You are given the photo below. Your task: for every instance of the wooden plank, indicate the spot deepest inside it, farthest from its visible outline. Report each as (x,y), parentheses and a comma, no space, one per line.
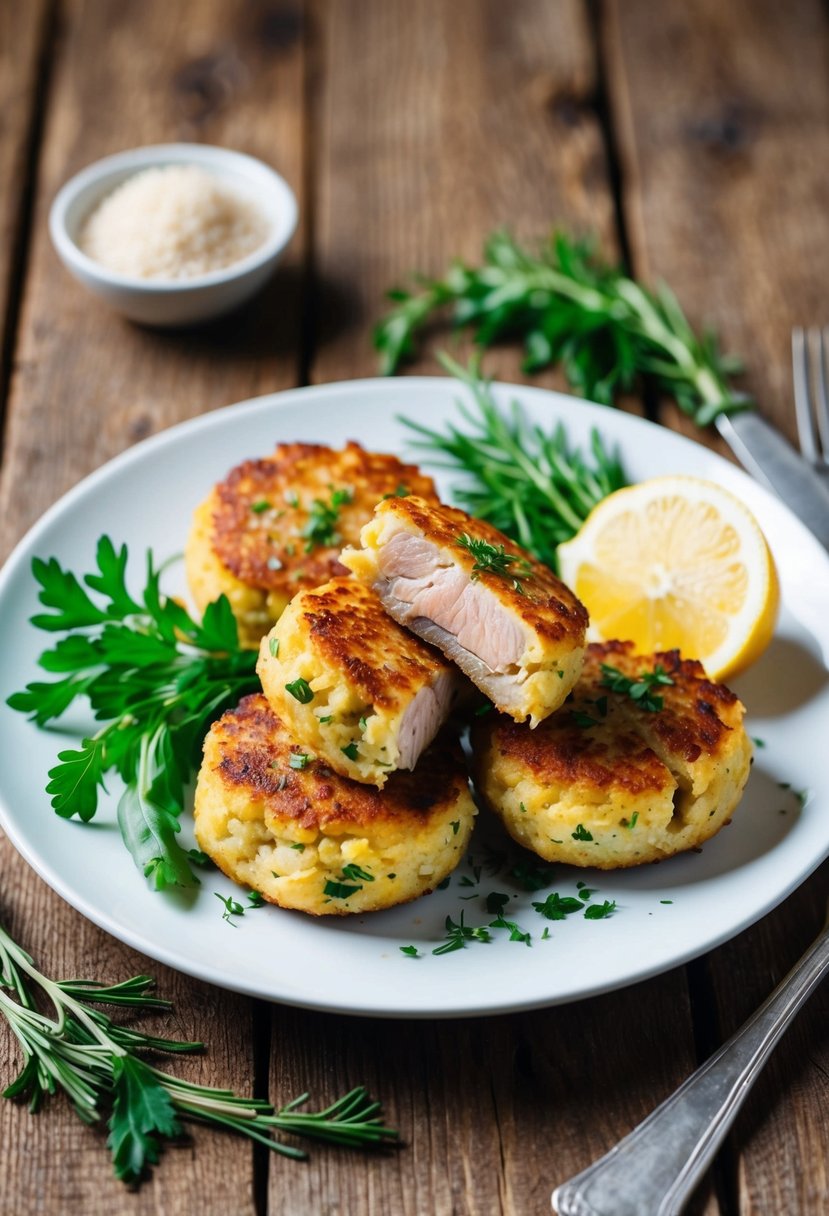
(723,130)
(726,198)
(215,73)
(782,1136)
(24,35)
(433,124)
(86,385)
(460,119)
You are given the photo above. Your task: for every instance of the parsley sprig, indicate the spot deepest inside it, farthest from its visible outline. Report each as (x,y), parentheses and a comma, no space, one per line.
(528,482)
(572,308)
(154,677)
(641,688)
(97,1063)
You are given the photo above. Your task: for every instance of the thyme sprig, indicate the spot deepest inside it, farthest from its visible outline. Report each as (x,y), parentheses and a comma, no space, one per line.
(79,1049)
(530,483)
(639,688)
(572,308)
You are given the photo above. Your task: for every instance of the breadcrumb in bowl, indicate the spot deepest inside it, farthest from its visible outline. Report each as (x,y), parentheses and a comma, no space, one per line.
(281,822)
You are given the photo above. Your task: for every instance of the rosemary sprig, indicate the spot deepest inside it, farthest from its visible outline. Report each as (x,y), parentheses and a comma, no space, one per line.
(572,308)
(531,484)
(80,1050)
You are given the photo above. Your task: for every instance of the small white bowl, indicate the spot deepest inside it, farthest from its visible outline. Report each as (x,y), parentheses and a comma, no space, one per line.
(170,302)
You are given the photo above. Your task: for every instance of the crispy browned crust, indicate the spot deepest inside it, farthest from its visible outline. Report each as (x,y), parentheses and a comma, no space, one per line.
(544,602)
(266,550)
(613,751)
(250,750)
(697,715)
(350,630)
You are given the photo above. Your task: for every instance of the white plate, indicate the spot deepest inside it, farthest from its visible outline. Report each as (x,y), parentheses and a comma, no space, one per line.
(665,914)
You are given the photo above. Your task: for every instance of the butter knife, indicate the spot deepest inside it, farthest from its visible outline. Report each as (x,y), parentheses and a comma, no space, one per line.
(772,460)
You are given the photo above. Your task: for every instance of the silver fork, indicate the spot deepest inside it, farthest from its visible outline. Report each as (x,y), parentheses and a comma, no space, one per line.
(811,395)
(654,1170)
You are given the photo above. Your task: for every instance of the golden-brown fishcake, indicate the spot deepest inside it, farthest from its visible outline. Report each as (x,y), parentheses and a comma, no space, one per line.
(608,782)
(281,822)
(514,628)
(352,685)
(276,525)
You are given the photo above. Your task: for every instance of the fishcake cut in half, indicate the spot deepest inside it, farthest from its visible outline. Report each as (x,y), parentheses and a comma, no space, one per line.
(276,525)
(352,685)
(514,628)
(282,823)
(629,770)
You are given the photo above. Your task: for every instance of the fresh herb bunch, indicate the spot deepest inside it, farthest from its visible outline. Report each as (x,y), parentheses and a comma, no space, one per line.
(527,482)
(95,1061)
(154,677)
(571,308)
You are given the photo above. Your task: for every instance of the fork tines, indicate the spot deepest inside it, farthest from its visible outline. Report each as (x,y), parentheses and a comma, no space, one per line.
(811,393)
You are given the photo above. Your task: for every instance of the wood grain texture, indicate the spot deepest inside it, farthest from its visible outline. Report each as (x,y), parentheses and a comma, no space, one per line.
(86,385)
(24,35)
(722,115)
(435,124)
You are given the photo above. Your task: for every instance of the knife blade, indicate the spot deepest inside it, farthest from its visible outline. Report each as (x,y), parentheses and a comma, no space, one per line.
(772,460)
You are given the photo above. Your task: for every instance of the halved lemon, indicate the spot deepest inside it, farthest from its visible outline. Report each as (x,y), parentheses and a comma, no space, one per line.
(676,562)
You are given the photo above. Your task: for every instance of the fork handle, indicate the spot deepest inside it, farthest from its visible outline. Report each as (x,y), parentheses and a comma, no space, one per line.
(655,1168)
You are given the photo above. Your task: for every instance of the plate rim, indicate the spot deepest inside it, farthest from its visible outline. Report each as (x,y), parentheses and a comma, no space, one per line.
(284,399)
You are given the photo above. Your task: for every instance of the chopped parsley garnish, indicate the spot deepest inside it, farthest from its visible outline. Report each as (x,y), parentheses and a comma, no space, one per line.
(584,892)
(255,899)
(301,690)
(545,936)
(581,833)
(326,719)
(232,908)
(531,875)
(583,720)
(600,911)
(458,934)
(410,951)
(456,824)
(199,858)
(321,528)
(354,872)
(300,848)
(516,933)
(401,492)
(493,559)
(350,750)
(640,689)
(363,723)
(556,907)
(758,742)
(630,824)
(486,708)
(260,506)
(666,901)
(496,901)
(273,647)
(441,885)
(339,890)
(299,760)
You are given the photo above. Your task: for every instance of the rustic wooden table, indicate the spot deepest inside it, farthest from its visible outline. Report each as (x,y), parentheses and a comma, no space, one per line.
(693,137)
